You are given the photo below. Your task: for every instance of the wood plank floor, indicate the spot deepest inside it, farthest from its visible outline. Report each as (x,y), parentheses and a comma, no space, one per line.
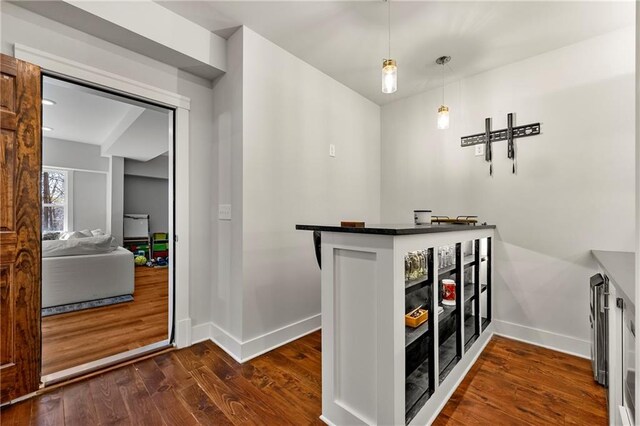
(514,383)
(511,384)
(75,338)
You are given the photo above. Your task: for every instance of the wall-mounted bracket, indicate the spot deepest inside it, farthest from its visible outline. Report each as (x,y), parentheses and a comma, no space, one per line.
(501,135)
(508,134)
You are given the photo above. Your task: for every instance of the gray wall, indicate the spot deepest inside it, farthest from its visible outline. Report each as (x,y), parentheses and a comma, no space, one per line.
(89,180)
(73,155)
(148,196)
(89,201)
(156,168)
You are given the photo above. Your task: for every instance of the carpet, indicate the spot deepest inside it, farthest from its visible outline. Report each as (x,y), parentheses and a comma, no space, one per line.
(72,307)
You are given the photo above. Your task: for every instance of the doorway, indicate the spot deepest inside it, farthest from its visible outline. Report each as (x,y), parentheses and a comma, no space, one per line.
(107,226)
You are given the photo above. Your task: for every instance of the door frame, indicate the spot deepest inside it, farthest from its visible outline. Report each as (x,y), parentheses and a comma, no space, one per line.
(56,66)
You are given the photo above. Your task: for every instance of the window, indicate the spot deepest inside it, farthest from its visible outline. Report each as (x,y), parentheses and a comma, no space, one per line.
(55,200)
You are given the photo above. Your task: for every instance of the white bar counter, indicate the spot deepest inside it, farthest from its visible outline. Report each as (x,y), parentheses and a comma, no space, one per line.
(375,370)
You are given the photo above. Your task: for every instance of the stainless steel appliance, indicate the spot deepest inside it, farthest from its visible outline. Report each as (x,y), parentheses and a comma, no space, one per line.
(598,318)
(629,360)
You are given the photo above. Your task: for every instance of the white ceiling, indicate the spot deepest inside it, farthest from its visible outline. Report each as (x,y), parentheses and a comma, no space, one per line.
(121,127)
(348,39)
(81,116)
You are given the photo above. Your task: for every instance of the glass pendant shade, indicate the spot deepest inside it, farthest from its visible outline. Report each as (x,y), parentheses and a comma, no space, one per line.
(389,76)
(443,117)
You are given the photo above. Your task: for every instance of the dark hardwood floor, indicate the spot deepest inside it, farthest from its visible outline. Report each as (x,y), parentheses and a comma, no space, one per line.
(79,337)
(514,383)
(511,384)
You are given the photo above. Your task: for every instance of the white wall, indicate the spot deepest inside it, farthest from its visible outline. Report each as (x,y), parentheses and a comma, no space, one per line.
(574,190)
(21,26)
(637,230)
(226,236)
(144,195)
(273,129)
(292,112)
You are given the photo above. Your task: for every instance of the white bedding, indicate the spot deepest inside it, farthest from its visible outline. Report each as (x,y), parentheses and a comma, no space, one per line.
(71,279)
(99,244)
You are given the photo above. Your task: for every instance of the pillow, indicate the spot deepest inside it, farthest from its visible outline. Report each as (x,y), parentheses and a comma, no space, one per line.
(72,235)
(51,235)
(97,232)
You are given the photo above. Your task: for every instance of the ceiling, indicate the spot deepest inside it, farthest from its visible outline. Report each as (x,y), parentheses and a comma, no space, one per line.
(121,127)
(348,39)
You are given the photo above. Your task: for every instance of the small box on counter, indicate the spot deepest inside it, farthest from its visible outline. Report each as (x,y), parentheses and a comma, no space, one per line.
(416,317)
(351,224)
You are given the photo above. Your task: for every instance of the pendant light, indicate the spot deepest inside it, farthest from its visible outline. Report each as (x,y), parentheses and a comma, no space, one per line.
(389,66)
(443,111)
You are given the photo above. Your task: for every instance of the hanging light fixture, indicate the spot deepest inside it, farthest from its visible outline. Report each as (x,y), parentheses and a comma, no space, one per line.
(443,111)
(389,66)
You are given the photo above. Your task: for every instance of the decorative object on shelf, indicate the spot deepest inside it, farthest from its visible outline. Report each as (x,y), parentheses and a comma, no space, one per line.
(443,111)
(460,220)
(352,224)
(422,217)
(448,292)
(389,66)
(415,265)
(416,317)
(509,134)
(446,256)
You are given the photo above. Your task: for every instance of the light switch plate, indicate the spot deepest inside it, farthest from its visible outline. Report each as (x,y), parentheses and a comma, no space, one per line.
(332,150)
(479,150)
(224,211)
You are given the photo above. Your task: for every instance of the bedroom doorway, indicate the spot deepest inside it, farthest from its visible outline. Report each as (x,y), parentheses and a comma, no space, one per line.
(107,227)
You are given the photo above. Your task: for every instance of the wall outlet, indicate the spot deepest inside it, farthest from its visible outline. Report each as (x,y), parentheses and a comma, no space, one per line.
(332,150)
(224,211)
(479,150)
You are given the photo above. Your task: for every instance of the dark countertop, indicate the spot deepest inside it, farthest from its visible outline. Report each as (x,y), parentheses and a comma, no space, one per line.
(394,229)
(620,267)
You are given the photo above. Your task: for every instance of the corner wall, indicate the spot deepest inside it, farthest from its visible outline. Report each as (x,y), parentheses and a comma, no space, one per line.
(275,117)
(574,189)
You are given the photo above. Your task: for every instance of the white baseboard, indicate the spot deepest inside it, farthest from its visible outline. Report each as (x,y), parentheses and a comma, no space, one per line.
(200,332)
(244,351)
(546,339)
(226,341)
(183,333)
(271,340)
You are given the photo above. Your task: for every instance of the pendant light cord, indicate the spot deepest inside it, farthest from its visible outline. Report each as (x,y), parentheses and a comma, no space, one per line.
(442,84)
(389,25)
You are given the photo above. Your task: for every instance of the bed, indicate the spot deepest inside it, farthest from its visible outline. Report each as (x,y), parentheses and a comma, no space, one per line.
(76,276)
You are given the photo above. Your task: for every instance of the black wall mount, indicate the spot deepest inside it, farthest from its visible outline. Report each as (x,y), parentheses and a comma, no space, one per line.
(488,137)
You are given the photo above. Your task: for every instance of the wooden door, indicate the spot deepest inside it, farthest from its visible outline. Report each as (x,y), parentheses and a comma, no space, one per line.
(20,158)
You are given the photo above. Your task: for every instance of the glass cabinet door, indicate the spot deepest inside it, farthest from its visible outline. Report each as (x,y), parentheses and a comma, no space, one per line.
(449,308)
(485,274)
(419,326)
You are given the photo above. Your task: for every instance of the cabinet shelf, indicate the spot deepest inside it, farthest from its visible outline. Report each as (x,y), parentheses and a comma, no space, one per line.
(415,284)
(413,334)
(418,283)
(468,261)
(416,389)
(470,332)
